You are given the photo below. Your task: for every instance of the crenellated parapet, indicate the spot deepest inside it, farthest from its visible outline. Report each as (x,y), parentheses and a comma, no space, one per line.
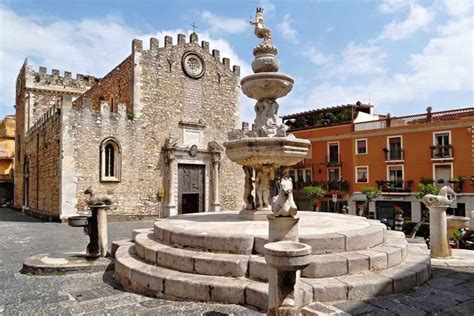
(56,80)
(154,47)
(64,107)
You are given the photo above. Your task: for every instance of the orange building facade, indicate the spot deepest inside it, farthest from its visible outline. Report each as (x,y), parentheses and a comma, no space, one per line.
(394,154)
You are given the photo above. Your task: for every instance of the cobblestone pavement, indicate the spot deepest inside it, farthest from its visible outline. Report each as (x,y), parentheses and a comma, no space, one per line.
(82,293)
(449,292)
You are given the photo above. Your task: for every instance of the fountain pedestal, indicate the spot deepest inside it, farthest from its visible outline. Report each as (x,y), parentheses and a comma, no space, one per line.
(437,204)
(439,246)
(285,261)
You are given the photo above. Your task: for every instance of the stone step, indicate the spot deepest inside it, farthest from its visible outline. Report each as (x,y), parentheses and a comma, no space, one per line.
(389,254)
(191,261)
(140,277)
(238,236)
(143,278)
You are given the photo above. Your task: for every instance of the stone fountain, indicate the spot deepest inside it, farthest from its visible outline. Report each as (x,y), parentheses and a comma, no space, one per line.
(267,147)
(268,255)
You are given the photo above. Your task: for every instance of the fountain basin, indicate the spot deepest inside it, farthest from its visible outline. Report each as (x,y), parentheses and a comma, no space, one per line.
(258,151)
(457,222)
(287,255)
(266,85)
(78,221)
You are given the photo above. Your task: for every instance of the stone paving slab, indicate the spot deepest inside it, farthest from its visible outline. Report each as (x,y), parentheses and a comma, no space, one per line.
(52,295)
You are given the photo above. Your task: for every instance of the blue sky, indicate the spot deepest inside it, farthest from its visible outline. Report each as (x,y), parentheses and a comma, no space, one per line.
(402,55)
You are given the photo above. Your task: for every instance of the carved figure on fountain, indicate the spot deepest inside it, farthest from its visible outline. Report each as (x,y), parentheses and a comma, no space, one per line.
(262,181)
(248,188)
(283,203)
(445,198)
(267,121)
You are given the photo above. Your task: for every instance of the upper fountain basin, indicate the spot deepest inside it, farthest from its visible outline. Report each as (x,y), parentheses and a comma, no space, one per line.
(267,85)
(258,151)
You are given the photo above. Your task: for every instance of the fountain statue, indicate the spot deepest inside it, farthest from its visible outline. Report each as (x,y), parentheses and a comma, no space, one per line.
(268,147)
(264,151)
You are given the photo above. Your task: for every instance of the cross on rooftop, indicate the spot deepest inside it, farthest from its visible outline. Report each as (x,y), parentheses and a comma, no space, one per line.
(194,26)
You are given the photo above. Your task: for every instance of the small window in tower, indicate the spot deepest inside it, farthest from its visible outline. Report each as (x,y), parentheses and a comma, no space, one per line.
(110,160)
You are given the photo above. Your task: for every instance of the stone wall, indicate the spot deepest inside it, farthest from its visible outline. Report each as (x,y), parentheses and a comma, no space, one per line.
(168,96)
(163,98)
(36,93)
(42,151)
(114,88)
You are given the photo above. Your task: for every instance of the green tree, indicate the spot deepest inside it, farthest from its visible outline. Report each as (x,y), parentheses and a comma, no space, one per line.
(315,192)
(426,188)
(371,193)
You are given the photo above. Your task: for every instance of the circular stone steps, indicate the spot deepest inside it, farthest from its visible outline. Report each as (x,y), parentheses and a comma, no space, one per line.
(225,232)
(391,253)
(218,257)
(138,276)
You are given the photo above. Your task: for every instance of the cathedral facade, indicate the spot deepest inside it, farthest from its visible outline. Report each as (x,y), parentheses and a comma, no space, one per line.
(148,134)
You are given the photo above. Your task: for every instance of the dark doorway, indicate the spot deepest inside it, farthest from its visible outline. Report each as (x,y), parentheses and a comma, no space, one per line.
(190,188)
(189,203)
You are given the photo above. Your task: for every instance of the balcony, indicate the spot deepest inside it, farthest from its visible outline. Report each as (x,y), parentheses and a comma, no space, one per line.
(336,186)
(442,152)
(394,186)
(394,155)
(333,161)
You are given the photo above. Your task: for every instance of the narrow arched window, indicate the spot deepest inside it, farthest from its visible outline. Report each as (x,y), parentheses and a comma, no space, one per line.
(110,160)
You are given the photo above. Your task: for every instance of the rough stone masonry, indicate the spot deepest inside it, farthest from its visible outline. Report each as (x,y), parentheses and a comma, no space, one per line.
(135,134)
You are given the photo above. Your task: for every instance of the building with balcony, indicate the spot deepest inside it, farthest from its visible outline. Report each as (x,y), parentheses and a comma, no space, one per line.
(7,155)
(394,154)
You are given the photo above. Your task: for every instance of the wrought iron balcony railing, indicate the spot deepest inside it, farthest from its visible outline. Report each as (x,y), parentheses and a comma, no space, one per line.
(394,186)
(442,151)
(332,186)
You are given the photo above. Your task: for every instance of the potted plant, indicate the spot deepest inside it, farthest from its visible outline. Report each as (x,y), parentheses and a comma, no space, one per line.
(457,235)
(398,212)
(315,193)
(457,183)
(371,193)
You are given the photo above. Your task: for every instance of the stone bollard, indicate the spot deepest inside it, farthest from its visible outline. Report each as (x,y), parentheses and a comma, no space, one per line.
(285,261)
(437,204)
(102,228)
(471,222)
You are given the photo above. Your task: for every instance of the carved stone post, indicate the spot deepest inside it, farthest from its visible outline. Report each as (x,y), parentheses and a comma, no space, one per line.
(437,204)
(171,206)
(215,204)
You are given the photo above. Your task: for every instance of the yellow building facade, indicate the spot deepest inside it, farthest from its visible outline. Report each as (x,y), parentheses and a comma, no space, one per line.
(7,158)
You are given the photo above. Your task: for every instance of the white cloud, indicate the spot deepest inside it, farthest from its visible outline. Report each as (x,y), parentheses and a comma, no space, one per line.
(459,7)
(444,65)
(418,19)
(360,60)
(74,45)
(286,29)
(393,6)
(317,57)
(269,8)
(224,24)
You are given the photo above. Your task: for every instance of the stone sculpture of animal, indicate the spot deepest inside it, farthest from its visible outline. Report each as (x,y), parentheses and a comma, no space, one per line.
(96,200)
(283,204)
(442,199)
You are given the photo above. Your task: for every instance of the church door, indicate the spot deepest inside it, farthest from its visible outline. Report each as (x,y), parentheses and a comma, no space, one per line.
(190,188)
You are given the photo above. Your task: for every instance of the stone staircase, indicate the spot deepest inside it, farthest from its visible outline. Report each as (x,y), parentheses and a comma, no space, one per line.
(173,263)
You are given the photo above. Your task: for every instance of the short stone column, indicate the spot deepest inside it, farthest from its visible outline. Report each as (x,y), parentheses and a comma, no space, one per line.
(215,204)
(439,246)
(285,259)
(171,206)
(471,222)
(102,229)
(437,204)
